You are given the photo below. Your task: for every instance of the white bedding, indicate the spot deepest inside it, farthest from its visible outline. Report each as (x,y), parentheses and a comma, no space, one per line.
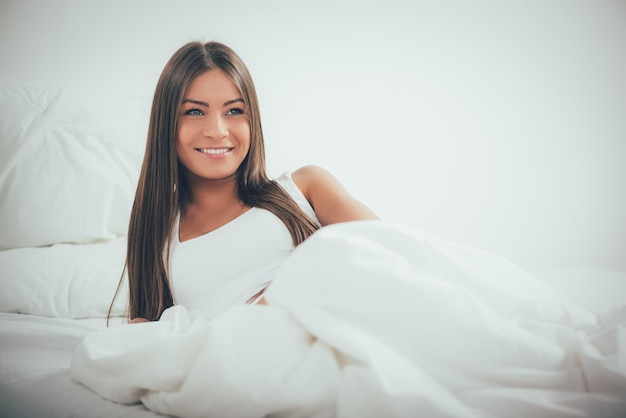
(68,169)
(35,354)
(368,319)
(63,280)
(69,165)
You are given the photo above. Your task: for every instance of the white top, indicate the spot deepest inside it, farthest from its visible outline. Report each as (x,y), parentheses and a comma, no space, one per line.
(230,264)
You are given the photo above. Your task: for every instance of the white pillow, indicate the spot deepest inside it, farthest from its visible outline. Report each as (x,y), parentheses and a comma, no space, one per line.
(69,165)
(64,280)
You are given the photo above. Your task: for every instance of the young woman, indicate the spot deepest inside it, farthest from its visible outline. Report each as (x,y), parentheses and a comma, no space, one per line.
(208,227)
(364,319)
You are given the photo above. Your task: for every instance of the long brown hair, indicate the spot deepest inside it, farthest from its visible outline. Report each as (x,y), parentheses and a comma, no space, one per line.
(163,189)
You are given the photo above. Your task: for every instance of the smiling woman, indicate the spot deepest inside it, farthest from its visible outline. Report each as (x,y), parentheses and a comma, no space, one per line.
(213,235)
(204,168)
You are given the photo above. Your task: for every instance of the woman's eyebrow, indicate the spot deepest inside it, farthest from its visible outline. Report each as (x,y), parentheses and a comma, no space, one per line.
(198,102)
(229,102)
(205,104)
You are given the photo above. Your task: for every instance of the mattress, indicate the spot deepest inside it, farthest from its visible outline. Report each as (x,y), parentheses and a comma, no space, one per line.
(35,356)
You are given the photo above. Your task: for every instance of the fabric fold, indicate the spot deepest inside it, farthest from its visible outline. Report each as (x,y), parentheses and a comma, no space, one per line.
(370,319)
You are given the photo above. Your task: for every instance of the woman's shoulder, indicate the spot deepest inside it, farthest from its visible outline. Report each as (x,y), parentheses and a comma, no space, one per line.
(330,200)
(302,177)
(314,180)
(292,183)
(307,180)
(311,176)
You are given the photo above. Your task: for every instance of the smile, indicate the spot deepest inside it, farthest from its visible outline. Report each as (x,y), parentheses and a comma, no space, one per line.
(214,151)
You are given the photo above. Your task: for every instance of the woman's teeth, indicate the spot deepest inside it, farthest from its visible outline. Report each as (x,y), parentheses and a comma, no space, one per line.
(214,151)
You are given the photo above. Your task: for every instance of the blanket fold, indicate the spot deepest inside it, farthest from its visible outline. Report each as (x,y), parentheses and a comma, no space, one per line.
(370,319)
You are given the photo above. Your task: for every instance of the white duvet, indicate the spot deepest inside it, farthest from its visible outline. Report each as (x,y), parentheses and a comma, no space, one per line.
(368,319)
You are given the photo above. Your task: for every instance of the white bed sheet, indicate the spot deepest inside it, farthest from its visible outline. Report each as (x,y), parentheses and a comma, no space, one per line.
(35,355)
(35,352)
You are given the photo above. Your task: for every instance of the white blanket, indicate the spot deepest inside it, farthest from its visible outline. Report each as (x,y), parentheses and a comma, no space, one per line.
(368,319)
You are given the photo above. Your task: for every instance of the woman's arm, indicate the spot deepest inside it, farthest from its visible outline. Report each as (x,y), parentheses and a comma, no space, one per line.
(330,200)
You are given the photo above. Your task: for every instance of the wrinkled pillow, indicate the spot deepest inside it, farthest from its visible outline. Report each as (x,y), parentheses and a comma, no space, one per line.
(64,280)
(69,165)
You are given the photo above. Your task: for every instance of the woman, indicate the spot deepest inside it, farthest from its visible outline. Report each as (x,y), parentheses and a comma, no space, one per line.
(204,168)
(364,319)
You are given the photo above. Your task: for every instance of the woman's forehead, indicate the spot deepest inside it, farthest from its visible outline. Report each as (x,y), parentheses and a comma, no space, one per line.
(212,86)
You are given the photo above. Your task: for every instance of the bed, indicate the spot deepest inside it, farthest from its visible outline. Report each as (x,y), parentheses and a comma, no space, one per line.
(60,263)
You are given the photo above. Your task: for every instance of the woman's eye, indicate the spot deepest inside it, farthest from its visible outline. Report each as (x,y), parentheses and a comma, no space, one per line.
(194,112)
(235,111)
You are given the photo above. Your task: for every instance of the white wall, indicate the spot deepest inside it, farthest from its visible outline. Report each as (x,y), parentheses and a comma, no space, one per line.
(497,124)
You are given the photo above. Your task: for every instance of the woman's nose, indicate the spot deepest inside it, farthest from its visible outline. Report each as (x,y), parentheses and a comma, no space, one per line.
(215,128)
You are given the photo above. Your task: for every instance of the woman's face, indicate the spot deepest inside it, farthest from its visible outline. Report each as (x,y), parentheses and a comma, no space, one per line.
(213,128)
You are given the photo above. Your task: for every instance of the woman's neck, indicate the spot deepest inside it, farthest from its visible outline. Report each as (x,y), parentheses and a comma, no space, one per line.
(213,195)
(212,205)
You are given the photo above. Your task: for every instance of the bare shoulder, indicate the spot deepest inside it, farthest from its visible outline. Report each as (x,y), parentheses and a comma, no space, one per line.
(311,177)
(329,198)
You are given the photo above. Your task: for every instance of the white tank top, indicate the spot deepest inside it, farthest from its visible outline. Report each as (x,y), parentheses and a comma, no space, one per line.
(227,266)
